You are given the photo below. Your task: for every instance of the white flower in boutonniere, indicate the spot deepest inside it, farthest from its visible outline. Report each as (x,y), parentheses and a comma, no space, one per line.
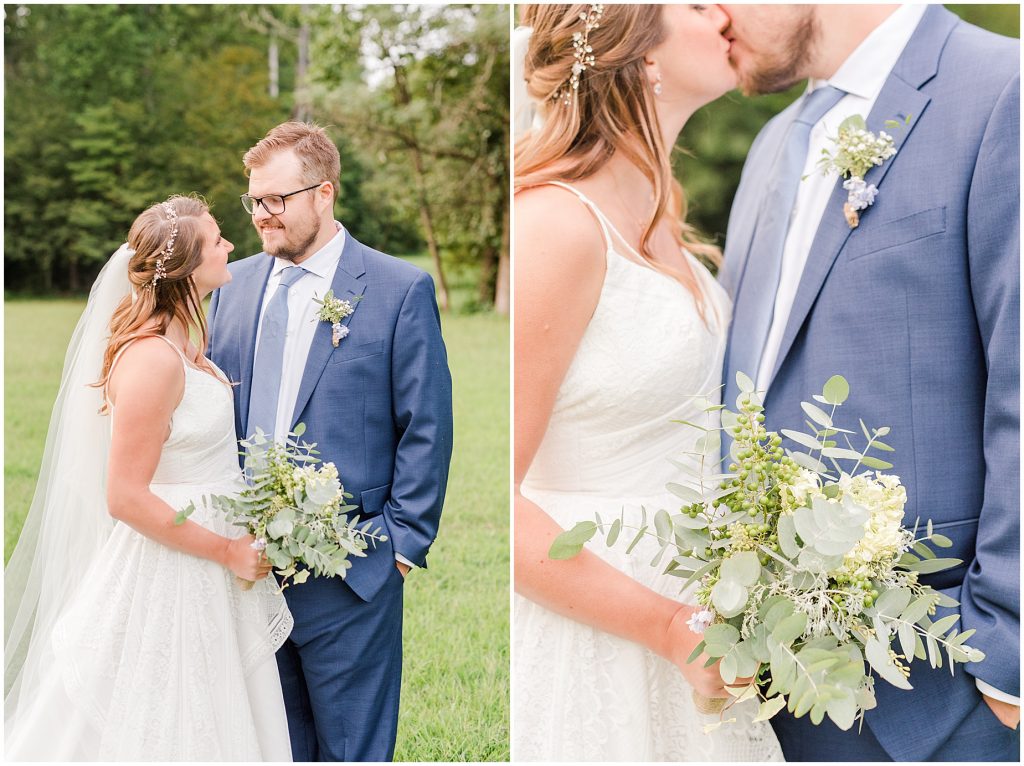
(857,151)
(333,310)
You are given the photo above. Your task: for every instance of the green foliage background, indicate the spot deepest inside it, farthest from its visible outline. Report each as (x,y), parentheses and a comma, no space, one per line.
(109,108)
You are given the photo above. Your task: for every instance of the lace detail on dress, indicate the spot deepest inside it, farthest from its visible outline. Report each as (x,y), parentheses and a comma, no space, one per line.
(581,694)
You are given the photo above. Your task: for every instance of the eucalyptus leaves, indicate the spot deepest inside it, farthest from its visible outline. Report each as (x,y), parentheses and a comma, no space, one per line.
(803,573)
(295,509)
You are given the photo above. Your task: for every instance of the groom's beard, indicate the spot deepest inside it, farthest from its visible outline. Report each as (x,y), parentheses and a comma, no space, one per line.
(291,242)
(780,69)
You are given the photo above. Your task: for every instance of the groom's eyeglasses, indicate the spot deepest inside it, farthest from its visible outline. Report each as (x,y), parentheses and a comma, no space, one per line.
(272,203)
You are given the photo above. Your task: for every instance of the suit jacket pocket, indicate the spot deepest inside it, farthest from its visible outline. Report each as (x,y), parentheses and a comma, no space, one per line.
(899,232)
(371,501)
(349,353)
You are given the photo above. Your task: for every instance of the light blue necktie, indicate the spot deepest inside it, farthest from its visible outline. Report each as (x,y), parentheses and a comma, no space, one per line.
(267,368)
(755,303)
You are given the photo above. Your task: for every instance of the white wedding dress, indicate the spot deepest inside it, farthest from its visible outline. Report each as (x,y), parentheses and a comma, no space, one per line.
(580,694)
(159,655)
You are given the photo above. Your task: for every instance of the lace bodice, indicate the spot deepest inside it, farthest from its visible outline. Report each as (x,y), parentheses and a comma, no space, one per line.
(645,355)
(200,448)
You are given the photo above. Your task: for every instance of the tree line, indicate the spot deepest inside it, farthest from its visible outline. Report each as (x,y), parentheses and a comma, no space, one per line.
(111,108)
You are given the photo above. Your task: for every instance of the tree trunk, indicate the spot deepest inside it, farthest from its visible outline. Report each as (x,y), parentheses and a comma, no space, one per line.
(73,281)
(402,98)
(303,110)
(273,62)
(486,275)
(503,284)
(428,229)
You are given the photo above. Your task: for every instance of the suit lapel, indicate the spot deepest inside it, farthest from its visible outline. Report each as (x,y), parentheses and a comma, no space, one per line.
(748,203)
(900,97)
(347,285)
(254,284)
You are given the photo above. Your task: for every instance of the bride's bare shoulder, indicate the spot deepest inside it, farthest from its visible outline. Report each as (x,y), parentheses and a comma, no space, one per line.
(554,229)
(147,364)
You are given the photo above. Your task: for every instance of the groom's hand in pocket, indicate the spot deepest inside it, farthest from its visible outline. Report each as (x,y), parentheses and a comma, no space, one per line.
(1008,715)
(403,568)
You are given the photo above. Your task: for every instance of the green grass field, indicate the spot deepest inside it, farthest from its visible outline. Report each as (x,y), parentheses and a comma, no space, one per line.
(456,675)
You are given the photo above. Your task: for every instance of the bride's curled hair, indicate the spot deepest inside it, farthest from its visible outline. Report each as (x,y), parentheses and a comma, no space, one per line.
(156,302)
(611,111)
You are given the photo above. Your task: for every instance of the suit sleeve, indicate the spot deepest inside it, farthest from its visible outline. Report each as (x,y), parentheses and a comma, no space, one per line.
(990,598)
(422,395)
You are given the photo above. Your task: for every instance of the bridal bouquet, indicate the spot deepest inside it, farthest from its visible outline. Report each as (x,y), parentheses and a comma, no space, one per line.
(295,509)
(805,578)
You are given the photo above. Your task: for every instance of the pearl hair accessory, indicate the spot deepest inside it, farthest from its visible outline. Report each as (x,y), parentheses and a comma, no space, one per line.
(583,53)
(168,251)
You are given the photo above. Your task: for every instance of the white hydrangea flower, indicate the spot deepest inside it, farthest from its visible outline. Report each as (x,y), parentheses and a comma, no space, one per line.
(884,537)
(801,491)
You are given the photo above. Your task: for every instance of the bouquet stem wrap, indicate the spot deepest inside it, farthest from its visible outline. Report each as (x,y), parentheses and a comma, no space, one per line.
(708,705)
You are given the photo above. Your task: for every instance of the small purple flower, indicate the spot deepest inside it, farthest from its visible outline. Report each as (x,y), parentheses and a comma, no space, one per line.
(861,194)
(699,621)
(258,544)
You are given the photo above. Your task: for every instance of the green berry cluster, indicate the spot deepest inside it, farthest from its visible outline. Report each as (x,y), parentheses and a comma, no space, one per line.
(762,467)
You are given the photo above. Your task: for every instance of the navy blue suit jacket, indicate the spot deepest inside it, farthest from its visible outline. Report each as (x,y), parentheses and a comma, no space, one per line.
(379,405)
(919,308)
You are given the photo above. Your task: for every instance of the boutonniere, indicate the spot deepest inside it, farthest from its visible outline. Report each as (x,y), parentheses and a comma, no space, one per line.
(857,150)
(333,310)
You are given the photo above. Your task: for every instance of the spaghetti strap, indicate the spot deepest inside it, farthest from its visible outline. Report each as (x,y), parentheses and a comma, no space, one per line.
(607,227)
(601,220)
(117,357)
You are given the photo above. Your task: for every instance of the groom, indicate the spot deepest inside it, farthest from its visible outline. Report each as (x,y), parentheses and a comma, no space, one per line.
(918,306)
(378,404)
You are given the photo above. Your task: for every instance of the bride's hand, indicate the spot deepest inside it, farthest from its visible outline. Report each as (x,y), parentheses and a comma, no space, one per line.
(244,561)
(679,644)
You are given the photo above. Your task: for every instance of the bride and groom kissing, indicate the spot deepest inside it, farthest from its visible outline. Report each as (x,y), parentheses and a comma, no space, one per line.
(906,284)
(131,640)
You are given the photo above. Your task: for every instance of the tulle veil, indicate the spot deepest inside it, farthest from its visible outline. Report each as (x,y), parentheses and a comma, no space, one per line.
(67,522)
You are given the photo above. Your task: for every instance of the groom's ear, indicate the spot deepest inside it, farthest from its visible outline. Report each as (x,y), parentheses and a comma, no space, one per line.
(325,195)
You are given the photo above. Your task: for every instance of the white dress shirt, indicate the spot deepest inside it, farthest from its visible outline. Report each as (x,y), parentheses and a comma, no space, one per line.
(861,76)
(302,324)
(302,320)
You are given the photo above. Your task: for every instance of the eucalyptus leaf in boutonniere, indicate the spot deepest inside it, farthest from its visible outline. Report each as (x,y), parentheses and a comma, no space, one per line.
(857,151)
(333,310)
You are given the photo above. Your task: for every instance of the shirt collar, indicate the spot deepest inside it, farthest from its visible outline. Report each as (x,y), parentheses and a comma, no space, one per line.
(322,261)
(866,69)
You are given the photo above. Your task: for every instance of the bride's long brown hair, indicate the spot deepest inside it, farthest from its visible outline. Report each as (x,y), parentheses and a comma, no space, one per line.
(611,111)
(153,307)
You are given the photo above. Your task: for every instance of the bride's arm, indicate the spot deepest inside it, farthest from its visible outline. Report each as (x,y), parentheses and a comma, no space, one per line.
(146,386)
(560,270)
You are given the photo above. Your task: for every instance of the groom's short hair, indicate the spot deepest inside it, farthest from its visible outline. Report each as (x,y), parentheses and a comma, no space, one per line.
(317,153)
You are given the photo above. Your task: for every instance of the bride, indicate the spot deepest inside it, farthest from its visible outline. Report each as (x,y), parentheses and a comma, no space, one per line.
(126,635)
(618,324)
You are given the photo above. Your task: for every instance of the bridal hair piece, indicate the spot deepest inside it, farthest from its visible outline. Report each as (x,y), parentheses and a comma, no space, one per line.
(613,113)
(167,240)
(168,251)
(582,52)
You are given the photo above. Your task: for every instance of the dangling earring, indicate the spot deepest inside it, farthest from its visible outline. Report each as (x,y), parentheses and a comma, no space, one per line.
(657,85)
